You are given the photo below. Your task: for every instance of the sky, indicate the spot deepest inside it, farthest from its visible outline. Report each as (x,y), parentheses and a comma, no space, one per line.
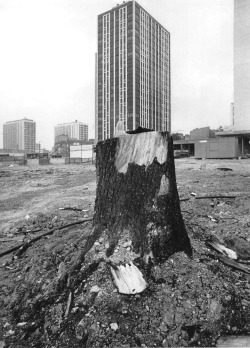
(47,61)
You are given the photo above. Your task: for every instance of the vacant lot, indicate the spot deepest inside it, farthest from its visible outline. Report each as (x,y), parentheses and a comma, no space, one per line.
(30,201)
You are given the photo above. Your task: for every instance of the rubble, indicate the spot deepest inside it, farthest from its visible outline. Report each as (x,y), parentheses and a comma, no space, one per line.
(46,300)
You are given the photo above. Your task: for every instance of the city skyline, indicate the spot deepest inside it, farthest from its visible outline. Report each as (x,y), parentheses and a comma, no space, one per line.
(48,71)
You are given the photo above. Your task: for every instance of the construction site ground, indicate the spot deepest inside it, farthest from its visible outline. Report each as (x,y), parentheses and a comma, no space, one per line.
(189,302)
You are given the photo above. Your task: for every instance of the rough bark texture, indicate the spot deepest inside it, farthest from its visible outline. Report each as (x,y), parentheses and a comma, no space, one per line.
(137,195)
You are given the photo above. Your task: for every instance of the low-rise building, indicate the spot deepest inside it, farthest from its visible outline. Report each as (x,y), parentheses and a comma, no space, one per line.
(206,143)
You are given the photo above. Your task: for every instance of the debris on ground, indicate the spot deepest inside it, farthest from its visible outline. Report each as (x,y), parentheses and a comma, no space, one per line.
(50,296)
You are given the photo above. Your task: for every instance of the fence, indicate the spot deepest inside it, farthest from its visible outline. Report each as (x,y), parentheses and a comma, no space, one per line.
(13,160)
(77,160)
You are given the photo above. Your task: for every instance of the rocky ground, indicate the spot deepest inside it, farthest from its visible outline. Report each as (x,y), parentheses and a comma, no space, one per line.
(51,297)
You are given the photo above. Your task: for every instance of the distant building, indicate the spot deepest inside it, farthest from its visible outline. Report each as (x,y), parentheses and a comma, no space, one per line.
(74,130)
(202,133)
(132,71)
(177,136)
(241,110)
(232,115)
(7,152)
(63,143)
(39,149)
(20,135)
(207,143)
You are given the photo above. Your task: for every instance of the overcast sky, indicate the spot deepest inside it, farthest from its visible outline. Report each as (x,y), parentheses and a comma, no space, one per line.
(47,61)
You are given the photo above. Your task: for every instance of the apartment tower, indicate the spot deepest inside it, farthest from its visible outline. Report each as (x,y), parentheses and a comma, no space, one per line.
(74,130)
(20,135)
(132,71)
(241,110)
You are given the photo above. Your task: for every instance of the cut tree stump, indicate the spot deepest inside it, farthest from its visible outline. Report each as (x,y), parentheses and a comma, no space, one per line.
(137,203)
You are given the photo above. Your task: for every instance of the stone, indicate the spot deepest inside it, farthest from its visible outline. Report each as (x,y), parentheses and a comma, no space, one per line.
(21,324)
(244,302)
(95,289)
(57,313)
(127,244)
(168,316)
(10,332)
(75,309)
(114,326)
(165,343)
(55,328)
(61,270)
(215,309)
(175,337)
(178,315)
(81,329)
(184,343)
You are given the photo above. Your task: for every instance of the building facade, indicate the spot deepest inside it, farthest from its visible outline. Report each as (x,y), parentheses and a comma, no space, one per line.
(74,130)
(20,135)
(132,71)
(241,109)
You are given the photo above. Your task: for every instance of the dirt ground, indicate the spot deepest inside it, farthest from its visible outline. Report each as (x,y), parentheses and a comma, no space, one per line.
(189,302)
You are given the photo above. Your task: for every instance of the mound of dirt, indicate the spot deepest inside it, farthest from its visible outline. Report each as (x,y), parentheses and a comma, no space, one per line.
(188,302)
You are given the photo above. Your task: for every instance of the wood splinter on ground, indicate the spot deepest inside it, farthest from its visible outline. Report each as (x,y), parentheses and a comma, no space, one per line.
(137,196)
(128,279)
(223,250)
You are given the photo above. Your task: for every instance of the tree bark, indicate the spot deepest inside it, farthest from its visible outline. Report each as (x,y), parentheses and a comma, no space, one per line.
(137,199)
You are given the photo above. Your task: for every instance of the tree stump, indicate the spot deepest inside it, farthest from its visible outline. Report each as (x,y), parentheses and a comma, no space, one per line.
(137,203)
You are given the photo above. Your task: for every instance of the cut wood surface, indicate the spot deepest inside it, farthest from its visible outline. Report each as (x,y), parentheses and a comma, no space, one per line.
(140,149)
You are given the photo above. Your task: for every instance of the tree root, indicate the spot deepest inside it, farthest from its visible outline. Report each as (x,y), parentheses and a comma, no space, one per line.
(24,246)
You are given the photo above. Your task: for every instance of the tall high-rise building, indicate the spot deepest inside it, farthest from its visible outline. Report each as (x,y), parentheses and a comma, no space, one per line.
(74,130)
(132,71)
(241,65)
(20,135)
